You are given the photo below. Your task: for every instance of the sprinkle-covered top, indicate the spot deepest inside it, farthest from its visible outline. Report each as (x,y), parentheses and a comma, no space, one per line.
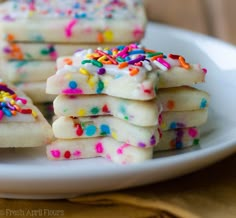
(11,105)
(77,9)
(133,60)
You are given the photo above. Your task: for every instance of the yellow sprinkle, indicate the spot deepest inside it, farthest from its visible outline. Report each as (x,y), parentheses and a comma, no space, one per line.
(91,81)
(108,35)
(163,125)
(34,114)
(12,102)
(81,112)
(102,58)
(114,135)
(83,71)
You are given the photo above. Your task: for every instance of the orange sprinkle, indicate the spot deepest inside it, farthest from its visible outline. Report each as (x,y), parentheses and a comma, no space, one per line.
(155,57)
(100,38)
(122,65)
(133,71)
(106,62)
(68,61)
(10,37)
(170,105)
(183,63)
(149,50)
(13,112)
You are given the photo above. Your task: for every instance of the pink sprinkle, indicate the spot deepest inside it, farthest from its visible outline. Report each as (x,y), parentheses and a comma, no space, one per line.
(138,33)
(164,63)
(193,132)
(72,91)
(124,52)
(77,153)
(204,70)
(1,114)
(23,100)
(69,27)
(108,157)
(99,147)
(120,150)
(53,56)
(56,153)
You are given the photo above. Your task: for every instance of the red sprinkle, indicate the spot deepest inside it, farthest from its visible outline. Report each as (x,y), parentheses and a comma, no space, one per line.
(67,154)
(79,130)
(105,109)
(26,111)
(173,56)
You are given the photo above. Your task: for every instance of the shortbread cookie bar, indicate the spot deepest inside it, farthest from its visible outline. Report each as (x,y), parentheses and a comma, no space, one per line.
(105,147)
(86,127)
(115,70)
(40,51)
(178,139)
(182,119)
(21,123)
(182,98)
(27,71)
(36,91)
(73,21)
(136,112)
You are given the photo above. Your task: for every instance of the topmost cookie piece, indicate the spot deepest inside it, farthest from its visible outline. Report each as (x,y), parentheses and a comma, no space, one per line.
(73,21)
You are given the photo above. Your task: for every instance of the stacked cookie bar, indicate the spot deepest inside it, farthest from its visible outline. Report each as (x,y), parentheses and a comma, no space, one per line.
(185,108)
(106,106)
(21,123)
(119,82)
(35,33)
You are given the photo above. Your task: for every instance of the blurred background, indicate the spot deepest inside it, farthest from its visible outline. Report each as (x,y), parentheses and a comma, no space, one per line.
(211,17)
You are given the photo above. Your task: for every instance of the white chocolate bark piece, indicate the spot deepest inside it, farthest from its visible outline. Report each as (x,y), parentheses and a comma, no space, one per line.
(36,91)
(21,123)
(183,98)
(87,127)
(120,70)
(40,51)
(105,147)
(182,119)
(178,139)
(136,112)
(73,21)
(27,71)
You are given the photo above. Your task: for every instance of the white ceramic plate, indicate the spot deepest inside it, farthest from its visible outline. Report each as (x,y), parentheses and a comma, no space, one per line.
(26,173)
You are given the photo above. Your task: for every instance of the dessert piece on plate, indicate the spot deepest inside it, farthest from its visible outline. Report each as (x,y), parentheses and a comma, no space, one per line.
(35,33)
(21,123)
(122,83)
(72,21)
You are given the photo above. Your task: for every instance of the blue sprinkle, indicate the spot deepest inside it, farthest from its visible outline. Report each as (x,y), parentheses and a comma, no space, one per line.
(136,52)
(73,84)
(179,145)
(6,112)
(123,109)
(173,125)
(76,5)
(203,103)
(90,130)
(127,58)
(120,47)
(105,129)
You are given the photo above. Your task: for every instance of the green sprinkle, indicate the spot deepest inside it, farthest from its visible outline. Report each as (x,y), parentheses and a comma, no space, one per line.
(196,142)
(94,110)
(29,56)
(65,110)
(154,54)
(126,118)
(96,63)
(86,61)
(44,52)
(100,86)
(120,59)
